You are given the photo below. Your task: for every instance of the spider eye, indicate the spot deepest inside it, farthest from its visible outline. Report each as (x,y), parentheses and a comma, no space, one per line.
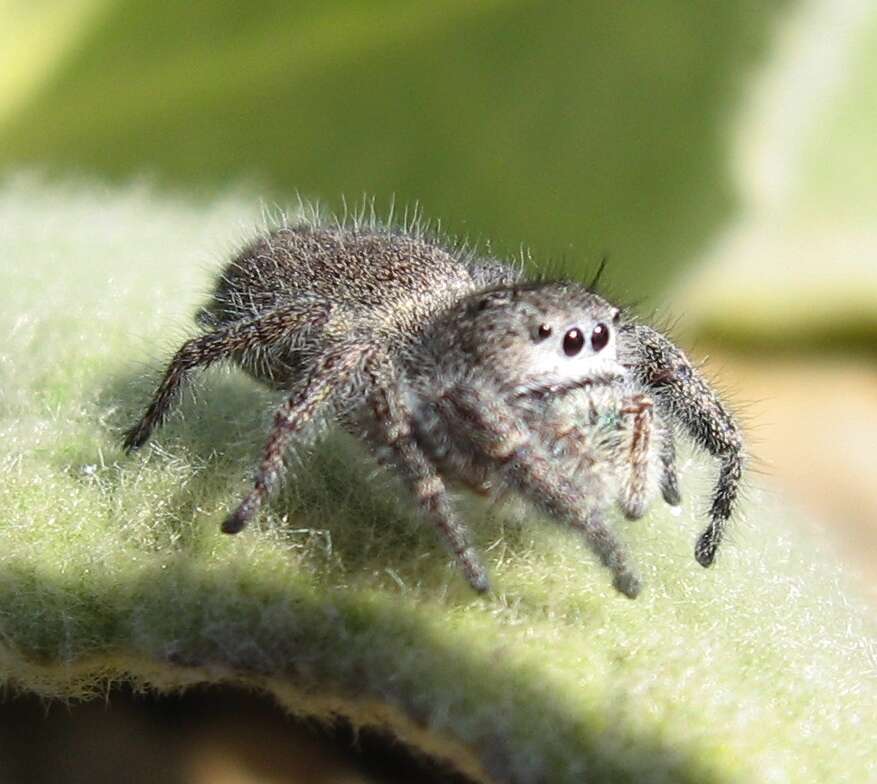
(573,341)
(599,337)
(544,331)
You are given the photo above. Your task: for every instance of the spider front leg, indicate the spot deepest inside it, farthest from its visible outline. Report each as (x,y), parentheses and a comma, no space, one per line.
(481,416)
(685,396)
(329,374)
(637,412)
(669,475)
(241,337)
(643,429)
(395,431)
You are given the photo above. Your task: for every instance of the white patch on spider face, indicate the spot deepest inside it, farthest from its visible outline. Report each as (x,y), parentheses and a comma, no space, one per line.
(545,363)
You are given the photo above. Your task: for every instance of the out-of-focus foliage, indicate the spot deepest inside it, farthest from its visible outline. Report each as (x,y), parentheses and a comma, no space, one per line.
(798,264)
(578,128)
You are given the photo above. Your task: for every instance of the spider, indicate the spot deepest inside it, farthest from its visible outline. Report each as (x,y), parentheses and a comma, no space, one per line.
(454,370)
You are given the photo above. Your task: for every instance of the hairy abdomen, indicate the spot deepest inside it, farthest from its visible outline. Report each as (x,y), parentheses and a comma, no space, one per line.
(387,279)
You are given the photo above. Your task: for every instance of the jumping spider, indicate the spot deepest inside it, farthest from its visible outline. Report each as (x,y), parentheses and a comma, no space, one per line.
(452,368)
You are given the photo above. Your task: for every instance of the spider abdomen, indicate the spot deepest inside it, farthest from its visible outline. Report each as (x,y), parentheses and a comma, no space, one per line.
(385,280)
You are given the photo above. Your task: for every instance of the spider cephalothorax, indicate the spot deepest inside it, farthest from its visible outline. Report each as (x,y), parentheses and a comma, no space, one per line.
(452,369)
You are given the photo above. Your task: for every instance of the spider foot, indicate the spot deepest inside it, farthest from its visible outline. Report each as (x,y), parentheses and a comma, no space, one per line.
(628,584)
(475,573)
(633,508)
(238,519)
(671,494)
(707,544)
(134,438)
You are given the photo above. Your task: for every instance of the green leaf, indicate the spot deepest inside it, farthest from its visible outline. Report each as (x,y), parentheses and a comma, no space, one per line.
(759,669)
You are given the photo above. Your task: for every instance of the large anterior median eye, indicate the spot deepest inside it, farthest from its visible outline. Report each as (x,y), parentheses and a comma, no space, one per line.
(573,341)
(599,337)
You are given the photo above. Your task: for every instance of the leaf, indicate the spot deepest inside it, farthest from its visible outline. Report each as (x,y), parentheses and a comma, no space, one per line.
(759,669)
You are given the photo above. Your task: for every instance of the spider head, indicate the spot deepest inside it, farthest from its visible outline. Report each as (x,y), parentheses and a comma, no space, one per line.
(543,338)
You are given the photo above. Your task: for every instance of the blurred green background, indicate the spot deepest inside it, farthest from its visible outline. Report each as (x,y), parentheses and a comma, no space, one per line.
(575,129)
(721,154)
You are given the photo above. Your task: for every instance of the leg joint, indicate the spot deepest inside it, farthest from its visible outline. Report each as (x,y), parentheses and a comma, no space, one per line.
(428,487)
(509,448)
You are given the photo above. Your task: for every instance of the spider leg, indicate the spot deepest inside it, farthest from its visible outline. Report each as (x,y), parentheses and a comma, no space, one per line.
(330,372)
(634,489)
(395,428)
(242,337)
(685,396)
(669,475)
(487,421)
